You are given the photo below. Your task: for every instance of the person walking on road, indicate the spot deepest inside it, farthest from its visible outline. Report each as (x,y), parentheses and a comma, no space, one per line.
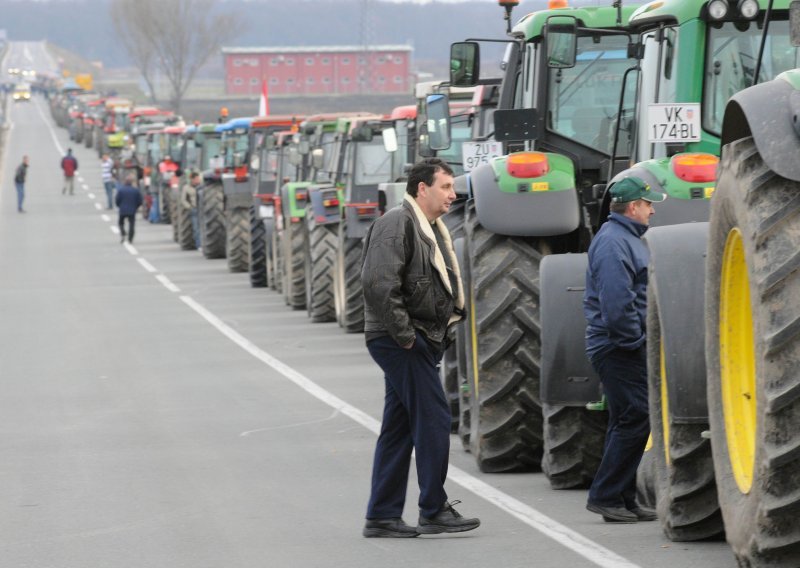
(19,182)
(189,204)
(615,306)
(412,293)
(128,200)
(70,166)
(109,178)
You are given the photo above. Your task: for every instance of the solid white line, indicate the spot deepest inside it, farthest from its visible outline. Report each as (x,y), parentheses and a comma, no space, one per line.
(131,249)
(98,206)
(105,218)
(91,196)
(167,283)
(147,266)
(592,551)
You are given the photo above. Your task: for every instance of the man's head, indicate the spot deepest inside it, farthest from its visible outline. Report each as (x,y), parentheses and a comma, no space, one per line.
(195,179)
(105,157)
(632,197)
(430,183)
(130,179)
(69,151)
(25,160)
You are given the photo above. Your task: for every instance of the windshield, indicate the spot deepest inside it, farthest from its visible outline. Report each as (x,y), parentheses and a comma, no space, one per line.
(211,147)
(460,132)
(373,164)
(731,60)
(328,169)
(192,154)
(236,145)
(583,100)
(287,170)
(122,121)
(269,164)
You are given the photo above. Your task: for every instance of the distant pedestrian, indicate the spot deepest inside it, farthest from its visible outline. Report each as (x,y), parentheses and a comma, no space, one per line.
(19,182)
(412,293)
(109,178)
(128,200)
(615,306)
(70,166)
(189,204)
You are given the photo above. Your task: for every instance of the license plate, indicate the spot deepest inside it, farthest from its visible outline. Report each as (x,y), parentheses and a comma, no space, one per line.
(266,212)
(474,154)
(673,122)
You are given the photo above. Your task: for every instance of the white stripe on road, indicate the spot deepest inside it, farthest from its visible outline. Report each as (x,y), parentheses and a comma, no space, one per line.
(98,206)
(167,283)
(85,187)
(114,229)
(105,218)
(131,249)
(592,551)
(80,179)
(49,127)
(91,196)
(147,266)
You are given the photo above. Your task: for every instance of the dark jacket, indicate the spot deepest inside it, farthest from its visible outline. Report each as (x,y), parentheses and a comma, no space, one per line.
(128,199)
(404,276)
(615,300)
(22,171)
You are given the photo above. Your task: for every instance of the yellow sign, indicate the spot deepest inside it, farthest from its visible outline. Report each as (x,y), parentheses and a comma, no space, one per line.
(708,192)
(84,81)
(540,186)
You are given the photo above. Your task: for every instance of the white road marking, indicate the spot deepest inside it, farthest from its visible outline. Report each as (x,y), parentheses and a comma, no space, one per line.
(80,179)
(590,550)
(167,283)
(105,218)
(98,206)
(85,187)
(91,196)
(147,266)
(131,249)
(49,127)
(114,229)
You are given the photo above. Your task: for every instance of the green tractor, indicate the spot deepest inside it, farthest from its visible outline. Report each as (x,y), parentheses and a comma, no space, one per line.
(560,101)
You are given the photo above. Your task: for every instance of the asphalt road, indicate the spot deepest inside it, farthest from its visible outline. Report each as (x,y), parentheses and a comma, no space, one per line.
(156,412)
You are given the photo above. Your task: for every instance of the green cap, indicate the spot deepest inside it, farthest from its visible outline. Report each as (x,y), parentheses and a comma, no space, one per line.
(632,188)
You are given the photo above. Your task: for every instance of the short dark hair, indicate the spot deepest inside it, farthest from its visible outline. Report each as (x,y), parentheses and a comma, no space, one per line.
(424,171)
(618,207)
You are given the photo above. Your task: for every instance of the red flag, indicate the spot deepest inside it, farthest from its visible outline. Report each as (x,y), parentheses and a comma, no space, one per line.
(263,106)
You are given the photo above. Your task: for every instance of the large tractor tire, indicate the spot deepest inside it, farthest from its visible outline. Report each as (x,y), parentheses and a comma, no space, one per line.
(319,257)
(166,206)
(258,250)
(237,239)
(454,220)
(294,273)
(185,230)
(276,268)
(173,215)
(506,412)
(645,478)
(348,295)
(752,354)
(213,226)
(88,138)
(574,438)
(683,469)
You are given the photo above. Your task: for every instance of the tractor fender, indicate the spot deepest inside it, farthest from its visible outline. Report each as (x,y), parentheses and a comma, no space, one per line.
(567,377)
(677,274)
(770,125)
(669,212)
(461,185)
(528,214)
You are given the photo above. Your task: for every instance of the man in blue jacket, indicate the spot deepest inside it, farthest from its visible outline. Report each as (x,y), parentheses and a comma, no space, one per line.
(615,306)
(128,200)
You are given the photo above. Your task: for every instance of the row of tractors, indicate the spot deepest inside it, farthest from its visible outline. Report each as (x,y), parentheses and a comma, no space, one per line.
(586,96)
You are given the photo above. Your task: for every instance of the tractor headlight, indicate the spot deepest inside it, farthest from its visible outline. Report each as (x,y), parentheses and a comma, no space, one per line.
(717,9)
(748,9)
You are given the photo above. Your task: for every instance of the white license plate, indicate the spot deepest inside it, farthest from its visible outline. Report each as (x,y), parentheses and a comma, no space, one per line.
(679,122)
(266,211)
(474,154)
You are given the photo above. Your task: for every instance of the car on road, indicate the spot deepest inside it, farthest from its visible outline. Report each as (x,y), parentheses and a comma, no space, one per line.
(21,93)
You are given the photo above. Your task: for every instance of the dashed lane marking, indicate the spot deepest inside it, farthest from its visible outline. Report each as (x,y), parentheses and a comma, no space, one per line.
(147,266)
(105,218)
(98,206)
(167,283)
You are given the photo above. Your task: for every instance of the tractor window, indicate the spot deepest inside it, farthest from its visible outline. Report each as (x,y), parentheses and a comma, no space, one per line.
(122,121)
(583,100)
(192,154)
(731,59)
(286,169)
(460,132)
(236,145)
(269,164)
(326,172)
(373,164)
(212,147)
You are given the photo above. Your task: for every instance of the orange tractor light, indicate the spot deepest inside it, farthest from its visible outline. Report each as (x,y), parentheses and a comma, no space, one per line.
(240,173)
(510,3)
(301,195)
(330,202)
(698,167)
(527,164)
(556,4)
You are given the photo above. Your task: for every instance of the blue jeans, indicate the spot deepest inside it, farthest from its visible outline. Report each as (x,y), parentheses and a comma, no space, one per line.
(416,416)
(195,226)
(20,194)
(623,374)
(109,185)
(155,216)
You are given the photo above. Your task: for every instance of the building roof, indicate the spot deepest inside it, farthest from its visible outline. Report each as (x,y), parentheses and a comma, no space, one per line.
(314,49)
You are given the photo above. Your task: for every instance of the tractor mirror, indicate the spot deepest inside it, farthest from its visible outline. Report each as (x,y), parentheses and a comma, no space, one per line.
(562,42)
(465,62)
(317,158)
(303,147)
(794,23)
(294,156)
(389,136)
(361,133)
(255,163)
(438,108)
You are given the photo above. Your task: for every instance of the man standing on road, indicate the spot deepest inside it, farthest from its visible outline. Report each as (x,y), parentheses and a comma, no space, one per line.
(189,204)
(615,306)
(109,181)
(70,166)
(128,200)
(412,293)
(19,182)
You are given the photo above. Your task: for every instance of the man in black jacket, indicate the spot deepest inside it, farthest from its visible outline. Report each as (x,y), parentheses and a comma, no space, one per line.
(412,293)
(128,200)
(19,182)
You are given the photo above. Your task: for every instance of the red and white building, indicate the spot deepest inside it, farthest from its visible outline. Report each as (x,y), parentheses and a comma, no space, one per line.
(318,70)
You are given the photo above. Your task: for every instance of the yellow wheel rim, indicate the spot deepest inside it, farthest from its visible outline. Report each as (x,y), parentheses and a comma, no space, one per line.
(664,403)
(473,336)
(737,361)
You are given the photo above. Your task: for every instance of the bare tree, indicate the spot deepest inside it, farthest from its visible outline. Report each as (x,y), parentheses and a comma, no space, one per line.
(180,35)
(129,20)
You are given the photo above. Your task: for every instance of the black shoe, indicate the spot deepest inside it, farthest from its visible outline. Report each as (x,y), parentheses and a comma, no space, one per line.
(122,239)
(447,520)
(388,528)
(613,514)
(644,514)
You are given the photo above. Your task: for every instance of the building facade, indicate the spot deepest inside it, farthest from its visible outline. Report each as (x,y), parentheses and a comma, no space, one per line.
(318,70)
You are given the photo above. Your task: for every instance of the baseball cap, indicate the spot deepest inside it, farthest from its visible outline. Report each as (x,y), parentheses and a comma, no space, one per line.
(632,188)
